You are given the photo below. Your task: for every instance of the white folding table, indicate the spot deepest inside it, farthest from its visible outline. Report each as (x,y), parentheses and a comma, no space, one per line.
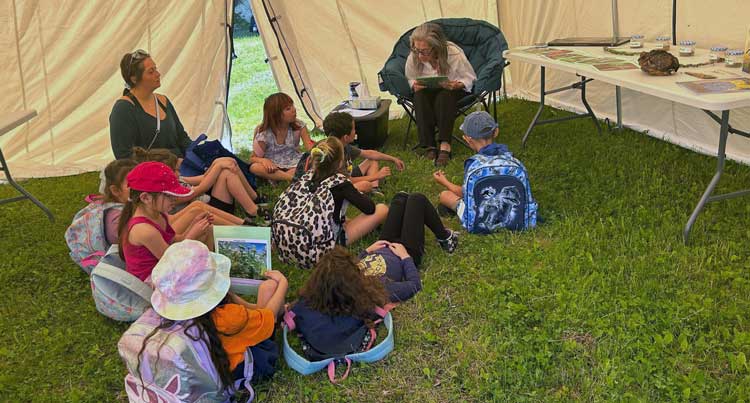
(658,86)
(7,123)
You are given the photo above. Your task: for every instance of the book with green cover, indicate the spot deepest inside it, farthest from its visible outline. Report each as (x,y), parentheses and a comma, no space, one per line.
(249,249)
(432,81)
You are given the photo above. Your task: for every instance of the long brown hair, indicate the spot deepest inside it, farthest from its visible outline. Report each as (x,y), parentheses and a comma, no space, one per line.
(273,107)
(162,155)
(433,35)
(134,201)
(337,287)
(114,175)
(210,335)
(326,158)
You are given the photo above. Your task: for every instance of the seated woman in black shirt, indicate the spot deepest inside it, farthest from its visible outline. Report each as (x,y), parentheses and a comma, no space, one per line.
(145,119)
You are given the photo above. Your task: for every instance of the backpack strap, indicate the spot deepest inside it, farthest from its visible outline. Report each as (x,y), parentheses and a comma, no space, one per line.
(332,370)
(289,320)
(92,259)
(94,198)
(244,382)
(124,279)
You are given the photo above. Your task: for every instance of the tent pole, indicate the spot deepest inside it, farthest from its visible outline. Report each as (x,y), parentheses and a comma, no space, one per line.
(618,90)
(674,22)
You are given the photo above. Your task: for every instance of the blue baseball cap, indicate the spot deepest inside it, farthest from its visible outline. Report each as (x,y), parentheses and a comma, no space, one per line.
(479,125)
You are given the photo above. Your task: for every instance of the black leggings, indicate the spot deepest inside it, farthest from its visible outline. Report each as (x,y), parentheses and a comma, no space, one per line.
(436,108)
(407,216)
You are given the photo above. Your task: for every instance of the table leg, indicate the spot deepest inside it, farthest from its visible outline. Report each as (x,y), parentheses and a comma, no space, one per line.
(576,86)
(723,133)
(26,195)
(586,104)
(618,104)
(538,112)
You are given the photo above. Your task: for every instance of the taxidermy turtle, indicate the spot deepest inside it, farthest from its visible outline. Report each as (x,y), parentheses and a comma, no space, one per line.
(658,62)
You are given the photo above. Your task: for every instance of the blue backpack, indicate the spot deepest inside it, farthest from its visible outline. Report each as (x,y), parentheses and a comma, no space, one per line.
(496,192)
(370,352)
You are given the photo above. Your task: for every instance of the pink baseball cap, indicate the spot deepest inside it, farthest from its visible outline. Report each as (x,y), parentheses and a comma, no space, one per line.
(156,177)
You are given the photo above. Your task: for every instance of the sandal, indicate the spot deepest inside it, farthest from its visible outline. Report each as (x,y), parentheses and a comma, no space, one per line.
(430,153)
(443,158)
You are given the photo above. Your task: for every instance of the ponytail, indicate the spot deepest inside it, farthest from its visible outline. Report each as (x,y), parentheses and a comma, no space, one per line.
(125,216)
(127,213)
(326,158)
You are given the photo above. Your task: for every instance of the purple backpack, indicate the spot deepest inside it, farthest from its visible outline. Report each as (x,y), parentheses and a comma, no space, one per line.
(173,366)
(85,235)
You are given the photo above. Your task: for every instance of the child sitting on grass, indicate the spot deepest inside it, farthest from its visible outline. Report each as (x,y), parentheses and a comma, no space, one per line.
(222,181)
(144,227)
(276,141)
(367,175)
(192,284)
(395,257)
(336,306)
(496,192)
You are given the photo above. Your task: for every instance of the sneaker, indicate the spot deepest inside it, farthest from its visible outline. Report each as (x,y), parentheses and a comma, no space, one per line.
(449,245)
(445,211)
(376,192)
(261,200)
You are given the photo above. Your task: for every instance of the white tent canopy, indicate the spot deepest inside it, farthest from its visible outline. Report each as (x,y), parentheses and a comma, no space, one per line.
(62,60)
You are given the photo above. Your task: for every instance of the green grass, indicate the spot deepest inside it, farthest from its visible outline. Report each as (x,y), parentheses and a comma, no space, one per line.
(251,82)
(602,302)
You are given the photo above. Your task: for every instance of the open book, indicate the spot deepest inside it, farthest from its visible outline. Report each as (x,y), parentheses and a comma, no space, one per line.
(432,81)
(249,249)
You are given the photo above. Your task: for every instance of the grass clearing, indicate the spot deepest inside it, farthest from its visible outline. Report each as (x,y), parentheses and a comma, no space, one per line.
(602,302)
(251,82)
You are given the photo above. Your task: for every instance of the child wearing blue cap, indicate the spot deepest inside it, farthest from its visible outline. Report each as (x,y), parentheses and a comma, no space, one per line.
(495,192)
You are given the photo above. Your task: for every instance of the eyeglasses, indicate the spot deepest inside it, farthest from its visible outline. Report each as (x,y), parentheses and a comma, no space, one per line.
(136,57)
(422,52)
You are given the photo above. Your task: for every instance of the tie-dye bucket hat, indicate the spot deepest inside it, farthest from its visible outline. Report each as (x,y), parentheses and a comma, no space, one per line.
(189,280)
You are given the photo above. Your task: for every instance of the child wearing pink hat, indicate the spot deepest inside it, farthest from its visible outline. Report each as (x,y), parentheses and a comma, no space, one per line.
(145,232)
(192,284)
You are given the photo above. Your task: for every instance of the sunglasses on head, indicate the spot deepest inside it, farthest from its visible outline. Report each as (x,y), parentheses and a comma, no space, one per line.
(423,52)
(136,57)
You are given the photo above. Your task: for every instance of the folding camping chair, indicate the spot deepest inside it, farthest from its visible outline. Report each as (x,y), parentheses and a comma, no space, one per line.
(483,44)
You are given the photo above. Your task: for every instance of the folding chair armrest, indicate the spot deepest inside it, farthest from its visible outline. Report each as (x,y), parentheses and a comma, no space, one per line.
(394,81)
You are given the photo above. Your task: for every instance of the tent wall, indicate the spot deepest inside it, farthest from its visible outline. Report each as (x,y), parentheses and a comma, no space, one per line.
(348,40)
(62,59)
(719,22)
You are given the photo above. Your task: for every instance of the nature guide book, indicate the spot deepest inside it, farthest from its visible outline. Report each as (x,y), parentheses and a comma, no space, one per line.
(432,81)
(249,250)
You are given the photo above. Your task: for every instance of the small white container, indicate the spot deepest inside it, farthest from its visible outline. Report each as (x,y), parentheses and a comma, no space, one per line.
(663,42)
(687,48)
(718,53)
(636,41)
(734,58)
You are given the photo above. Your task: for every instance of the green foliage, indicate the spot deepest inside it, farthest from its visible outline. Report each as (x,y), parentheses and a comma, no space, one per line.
(247,261)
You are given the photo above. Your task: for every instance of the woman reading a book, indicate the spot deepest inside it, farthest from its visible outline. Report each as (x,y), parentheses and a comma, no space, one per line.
(440,75)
